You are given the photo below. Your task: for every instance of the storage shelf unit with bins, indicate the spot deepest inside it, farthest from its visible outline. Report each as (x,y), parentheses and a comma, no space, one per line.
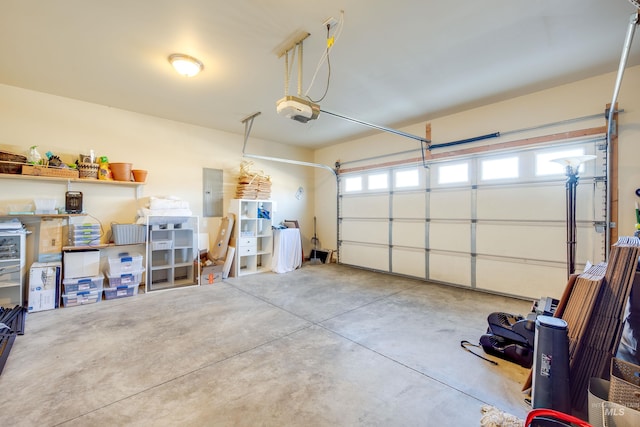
(253,236)
(172,252)
(12,269)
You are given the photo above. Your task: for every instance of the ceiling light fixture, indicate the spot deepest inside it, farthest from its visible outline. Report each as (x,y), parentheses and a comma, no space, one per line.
(185,65)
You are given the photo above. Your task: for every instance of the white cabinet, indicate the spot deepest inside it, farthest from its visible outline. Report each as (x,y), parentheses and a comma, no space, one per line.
(253,236)
(12,269)
(172,252)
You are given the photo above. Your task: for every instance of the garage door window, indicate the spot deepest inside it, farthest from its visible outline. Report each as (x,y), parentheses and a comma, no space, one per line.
(545,166)
(378,181)
(352,184)
(408,178)
(453,174)
(500,168)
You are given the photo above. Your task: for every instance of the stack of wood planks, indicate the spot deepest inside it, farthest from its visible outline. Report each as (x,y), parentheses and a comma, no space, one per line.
(252,184)
(593,306)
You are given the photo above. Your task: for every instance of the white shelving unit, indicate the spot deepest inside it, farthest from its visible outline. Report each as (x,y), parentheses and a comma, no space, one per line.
(253,236)
(172,252)
(12,269)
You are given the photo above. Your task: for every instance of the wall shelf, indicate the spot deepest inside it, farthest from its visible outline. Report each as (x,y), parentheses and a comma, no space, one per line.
(69,180)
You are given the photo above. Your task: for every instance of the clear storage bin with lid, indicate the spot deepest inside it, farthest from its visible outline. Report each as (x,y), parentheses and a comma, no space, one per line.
(125,263)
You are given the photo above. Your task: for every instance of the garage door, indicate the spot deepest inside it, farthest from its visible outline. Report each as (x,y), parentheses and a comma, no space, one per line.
(495,222)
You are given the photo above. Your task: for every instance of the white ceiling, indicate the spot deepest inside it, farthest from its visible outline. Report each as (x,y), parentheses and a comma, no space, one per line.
(395,62)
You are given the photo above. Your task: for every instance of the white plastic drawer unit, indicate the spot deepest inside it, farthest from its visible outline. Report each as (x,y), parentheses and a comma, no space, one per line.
(247,250)
(247,242)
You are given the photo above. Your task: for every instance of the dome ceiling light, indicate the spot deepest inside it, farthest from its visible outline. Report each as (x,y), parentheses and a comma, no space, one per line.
(186,65)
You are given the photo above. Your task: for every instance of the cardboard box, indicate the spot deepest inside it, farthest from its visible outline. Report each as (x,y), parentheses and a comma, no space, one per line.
(211,274)
(49,239)
(81,263)
(44,286)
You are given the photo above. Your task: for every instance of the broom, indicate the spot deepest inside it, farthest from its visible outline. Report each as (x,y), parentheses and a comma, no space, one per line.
(314,259)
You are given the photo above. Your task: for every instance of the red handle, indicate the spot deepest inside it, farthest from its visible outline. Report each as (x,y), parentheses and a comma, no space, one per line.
(541,412)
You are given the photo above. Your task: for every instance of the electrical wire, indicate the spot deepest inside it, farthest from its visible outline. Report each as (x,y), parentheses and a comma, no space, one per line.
(326,88)
(325,55)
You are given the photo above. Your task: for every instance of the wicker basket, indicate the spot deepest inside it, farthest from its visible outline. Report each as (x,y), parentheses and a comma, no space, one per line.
(625,384)
(11,163)
(128,234)
(45,171)
(88,170)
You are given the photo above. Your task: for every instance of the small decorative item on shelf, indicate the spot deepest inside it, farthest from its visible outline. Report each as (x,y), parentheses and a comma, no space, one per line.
(104,173)
(88,170)
(34,156)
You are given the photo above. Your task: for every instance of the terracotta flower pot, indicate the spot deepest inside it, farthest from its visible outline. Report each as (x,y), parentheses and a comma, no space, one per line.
(139,175)
(121,171)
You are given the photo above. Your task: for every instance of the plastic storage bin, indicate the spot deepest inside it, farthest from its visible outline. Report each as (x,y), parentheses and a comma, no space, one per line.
(125,279)
(128,234)
(125,263)
(81,298)
(159,245)
(85,241)
(122,291)
(84,229)
(83,284)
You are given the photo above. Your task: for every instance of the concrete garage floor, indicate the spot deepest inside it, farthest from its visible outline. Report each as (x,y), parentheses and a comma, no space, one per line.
(325,345)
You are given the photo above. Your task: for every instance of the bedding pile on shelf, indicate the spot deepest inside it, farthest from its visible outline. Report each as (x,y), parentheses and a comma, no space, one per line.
(164,206)
(252,184)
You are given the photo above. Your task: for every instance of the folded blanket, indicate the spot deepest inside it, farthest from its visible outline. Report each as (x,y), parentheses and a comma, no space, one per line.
(143,213)
(159,203)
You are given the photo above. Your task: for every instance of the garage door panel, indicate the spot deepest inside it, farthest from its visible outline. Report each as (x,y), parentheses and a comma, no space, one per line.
(371,231)
(368,256)
(535,241)
(589,244)
(454,204)
(450,236)
(409,205)
(450,268)
(538,242)
(409,234)
(366,206)
(584,201)
(522,203)
(410,262)
(527,280)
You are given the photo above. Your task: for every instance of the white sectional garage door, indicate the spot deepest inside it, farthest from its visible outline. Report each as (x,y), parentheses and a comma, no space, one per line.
(492,222)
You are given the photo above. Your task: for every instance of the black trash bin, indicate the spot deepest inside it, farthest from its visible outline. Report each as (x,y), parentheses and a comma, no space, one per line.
(551,365)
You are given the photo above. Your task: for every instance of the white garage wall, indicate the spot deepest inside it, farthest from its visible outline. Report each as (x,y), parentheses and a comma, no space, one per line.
(173,153)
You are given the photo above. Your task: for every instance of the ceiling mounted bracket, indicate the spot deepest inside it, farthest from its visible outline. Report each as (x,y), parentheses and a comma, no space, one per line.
(248,123)
(292,41)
